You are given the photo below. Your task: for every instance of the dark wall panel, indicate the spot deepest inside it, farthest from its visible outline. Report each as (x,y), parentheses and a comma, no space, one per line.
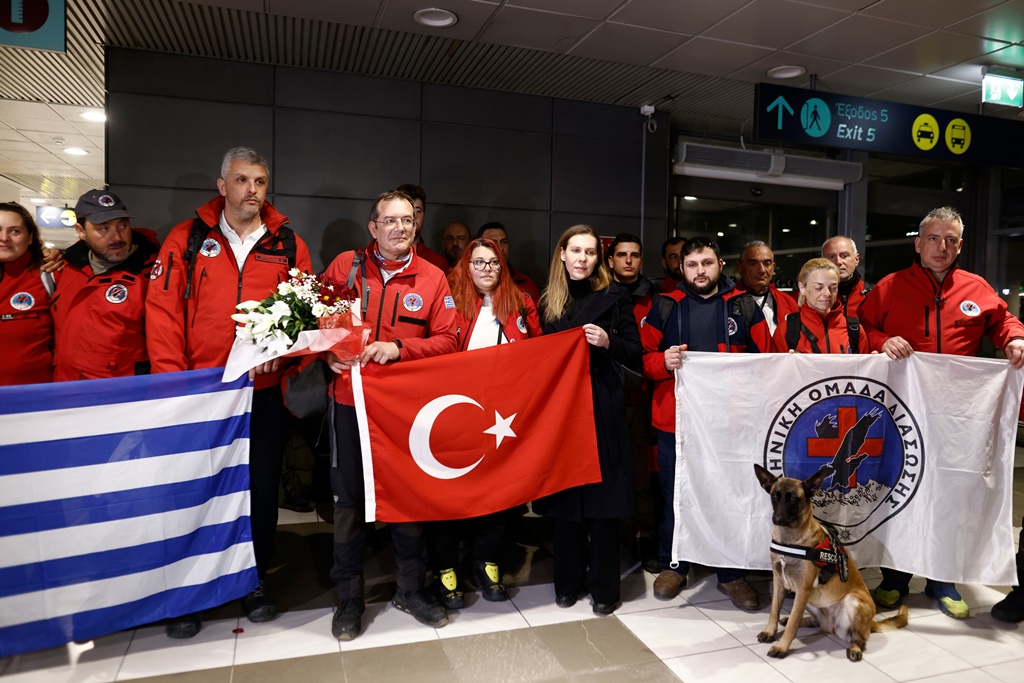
(329,226)
(469,106)
(343,155)
(486,167)
(347,94)
(596,176)
(156,73)
(170,142)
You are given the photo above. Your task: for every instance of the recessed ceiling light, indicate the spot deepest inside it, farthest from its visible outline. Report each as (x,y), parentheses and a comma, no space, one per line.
(97,116)
(690,198)
(433,17)
(732,225)
(785,230)
(37,200)
(786,71)
(75,151)
(721,234)
(813,222)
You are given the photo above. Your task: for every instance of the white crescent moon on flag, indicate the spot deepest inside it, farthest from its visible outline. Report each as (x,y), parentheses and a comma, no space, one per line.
(419,437)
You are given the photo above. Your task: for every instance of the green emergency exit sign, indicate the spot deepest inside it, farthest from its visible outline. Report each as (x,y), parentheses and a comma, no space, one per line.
(1000,88)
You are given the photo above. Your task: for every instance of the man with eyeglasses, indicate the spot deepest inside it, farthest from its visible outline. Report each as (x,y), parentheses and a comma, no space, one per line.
(419,203)
(935,306)
(409,309)
(497,233)
(706,316)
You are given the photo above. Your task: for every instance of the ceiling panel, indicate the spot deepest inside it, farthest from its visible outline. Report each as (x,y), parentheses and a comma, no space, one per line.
(594,9)
(774,23)
(712,57)
(927,87)
(356,12)
(932,13)
(628,44)
(815,65)
(11,109)
(47,140)
(398,16)
(670,15)
(862,81)
(57,125)
(538,30)
(935,52)
(11,134)
(857,38)
(1012,56)
(1003,22)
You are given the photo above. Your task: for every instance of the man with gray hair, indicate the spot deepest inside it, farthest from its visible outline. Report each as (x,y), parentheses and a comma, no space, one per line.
(842,251)
(238,247)
(756,269)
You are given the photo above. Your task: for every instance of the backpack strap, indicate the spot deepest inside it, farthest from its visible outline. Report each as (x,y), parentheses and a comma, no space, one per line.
(853,332)
(283,241)
(196,236)
(793,330)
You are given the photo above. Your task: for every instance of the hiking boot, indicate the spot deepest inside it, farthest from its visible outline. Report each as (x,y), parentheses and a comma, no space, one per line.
(1011,608)
(448,592)
(950,602)
(347,621)
(421,605)
(741,594)
(258,606)
(668,584)
(489,579)
(185,626)
(888,599)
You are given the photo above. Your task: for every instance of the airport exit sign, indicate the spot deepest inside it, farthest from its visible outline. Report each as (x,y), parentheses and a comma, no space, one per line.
(1005,90)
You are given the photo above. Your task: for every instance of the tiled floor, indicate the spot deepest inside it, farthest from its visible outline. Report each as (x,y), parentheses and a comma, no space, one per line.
(699,636)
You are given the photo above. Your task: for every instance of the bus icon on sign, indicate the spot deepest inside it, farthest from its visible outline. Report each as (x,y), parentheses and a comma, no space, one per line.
(957,136)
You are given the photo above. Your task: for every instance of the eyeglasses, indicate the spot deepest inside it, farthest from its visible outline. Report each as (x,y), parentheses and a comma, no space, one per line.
(480,264)
(390,222)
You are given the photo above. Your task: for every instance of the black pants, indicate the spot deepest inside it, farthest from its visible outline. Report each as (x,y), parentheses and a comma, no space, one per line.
(587,556)
(349,518)
(268,435)
(648,493)
(485,534)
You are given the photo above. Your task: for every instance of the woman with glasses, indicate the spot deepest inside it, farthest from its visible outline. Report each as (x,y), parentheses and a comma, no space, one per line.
(490,310)
(581,294)
(26,327)
(821,325)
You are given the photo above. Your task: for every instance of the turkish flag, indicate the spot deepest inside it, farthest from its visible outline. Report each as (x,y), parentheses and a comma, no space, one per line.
(475,432)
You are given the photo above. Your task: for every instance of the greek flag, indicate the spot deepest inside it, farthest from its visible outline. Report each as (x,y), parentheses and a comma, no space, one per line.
(122,501)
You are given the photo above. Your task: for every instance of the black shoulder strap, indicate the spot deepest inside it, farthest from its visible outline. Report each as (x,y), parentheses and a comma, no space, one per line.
(744,305)
(286,239)
(664,304)
(196,236)
(853,332)
(793,330)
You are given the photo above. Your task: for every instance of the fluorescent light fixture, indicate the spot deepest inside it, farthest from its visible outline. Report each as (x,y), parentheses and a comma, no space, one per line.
(93,115)
(732,225)
(75,151)
(786,71)
(721,234)
(433,17)
(689,198)
(48,245)
(814,222)
(37,200)
(785,230)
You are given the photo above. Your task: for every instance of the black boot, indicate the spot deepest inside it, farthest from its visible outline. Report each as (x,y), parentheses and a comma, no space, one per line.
(1011,608)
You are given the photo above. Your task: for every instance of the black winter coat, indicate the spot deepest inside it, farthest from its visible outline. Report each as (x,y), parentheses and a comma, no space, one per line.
(614,496)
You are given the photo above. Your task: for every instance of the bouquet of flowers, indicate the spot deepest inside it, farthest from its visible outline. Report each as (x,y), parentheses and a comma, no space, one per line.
(303,316)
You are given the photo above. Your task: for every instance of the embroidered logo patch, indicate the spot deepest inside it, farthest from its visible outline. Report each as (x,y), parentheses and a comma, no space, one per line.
(412,302)
(449,302)
(731,326)
(970,308)
(158,270)
(22,301)
(521,324)
(117,294)
(210,248)
(105,200)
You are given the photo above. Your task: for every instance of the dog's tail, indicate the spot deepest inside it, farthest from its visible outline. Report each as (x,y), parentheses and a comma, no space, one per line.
(892,623)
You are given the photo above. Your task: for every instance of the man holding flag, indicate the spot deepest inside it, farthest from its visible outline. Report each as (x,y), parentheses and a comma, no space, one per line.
(406,303)
(935,306)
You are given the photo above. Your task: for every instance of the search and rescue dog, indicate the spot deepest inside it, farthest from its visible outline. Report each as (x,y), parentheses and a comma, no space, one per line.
(809,561)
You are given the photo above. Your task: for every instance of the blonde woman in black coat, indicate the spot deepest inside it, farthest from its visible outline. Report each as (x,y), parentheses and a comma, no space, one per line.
(581,293)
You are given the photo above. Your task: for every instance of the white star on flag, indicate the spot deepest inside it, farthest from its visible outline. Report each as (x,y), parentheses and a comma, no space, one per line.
(502,427)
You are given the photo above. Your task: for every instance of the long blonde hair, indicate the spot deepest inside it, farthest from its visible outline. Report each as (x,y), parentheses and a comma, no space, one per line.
(811,266)
(555,298)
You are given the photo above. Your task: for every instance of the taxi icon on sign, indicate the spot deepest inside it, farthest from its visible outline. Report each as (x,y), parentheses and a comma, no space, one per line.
(925,132)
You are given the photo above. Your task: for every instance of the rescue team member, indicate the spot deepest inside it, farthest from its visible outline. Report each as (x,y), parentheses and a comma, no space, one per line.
(671,262)
(454,241)
(756,269)
(409,309)
(419,203)
(496,232)
(99,307)
(626,261)
(490,310)
(820,326)
(708,318)
(935,306)
(842,251)
(237,248)
(26,327)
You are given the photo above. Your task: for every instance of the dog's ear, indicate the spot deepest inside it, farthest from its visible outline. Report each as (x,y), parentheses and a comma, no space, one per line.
(766,478)
(813,482)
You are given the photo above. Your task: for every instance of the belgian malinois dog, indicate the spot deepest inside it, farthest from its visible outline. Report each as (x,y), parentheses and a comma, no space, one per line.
(839,606)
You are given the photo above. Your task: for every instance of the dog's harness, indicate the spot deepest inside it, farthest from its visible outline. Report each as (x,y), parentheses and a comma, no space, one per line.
(830,555)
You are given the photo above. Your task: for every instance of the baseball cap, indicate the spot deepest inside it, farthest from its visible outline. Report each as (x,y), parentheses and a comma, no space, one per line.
(100,206)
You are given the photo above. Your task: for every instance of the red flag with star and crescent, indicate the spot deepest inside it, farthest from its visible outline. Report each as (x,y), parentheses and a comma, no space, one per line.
(471,433)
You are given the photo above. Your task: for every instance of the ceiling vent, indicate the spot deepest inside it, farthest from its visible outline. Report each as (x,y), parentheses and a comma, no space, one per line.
(771,167)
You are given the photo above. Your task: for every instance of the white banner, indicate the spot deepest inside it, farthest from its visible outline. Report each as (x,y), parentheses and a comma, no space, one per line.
(920,453)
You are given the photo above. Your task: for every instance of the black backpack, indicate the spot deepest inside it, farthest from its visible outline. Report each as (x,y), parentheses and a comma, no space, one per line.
(794,328)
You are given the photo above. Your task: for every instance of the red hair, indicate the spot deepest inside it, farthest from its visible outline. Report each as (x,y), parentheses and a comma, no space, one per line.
(505,297)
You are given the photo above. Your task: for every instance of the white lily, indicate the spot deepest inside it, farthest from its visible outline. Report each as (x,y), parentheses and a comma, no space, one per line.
(279,310)
(247,305)
(278,342)
(319,310)
(243,318)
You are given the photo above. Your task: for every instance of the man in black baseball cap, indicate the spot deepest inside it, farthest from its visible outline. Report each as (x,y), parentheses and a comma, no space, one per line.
(101,221)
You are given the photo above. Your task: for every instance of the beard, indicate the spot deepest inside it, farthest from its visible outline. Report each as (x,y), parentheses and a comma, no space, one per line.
(703,290)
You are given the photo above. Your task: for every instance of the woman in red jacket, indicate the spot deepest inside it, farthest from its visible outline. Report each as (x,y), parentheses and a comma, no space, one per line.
(490,310)
(26,327)
(821,325)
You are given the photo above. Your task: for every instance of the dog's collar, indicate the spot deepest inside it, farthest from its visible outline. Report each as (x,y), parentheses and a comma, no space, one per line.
(830,555)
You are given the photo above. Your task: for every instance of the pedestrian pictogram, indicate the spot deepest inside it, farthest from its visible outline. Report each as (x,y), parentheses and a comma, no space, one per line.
(958,136)
(925,132)
(815,117)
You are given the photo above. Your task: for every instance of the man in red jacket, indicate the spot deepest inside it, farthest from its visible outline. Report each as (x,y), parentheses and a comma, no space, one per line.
(406,303)
(934,306)
(756,269)
(101,293)
(842,251)
(237,248)
(419,203)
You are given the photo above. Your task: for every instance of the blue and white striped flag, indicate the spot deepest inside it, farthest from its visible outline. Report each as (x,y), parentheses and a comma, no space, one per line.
(122,502)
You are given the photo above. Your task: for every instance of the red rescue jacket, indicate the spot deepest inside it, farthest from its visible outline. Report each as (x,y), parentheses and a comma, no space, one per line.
(99,320)
(830,330)
(432,257)
(857,291)
(194,333)
(784,303)
(520,325)
(26,326)
(948,318)
(415,307)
